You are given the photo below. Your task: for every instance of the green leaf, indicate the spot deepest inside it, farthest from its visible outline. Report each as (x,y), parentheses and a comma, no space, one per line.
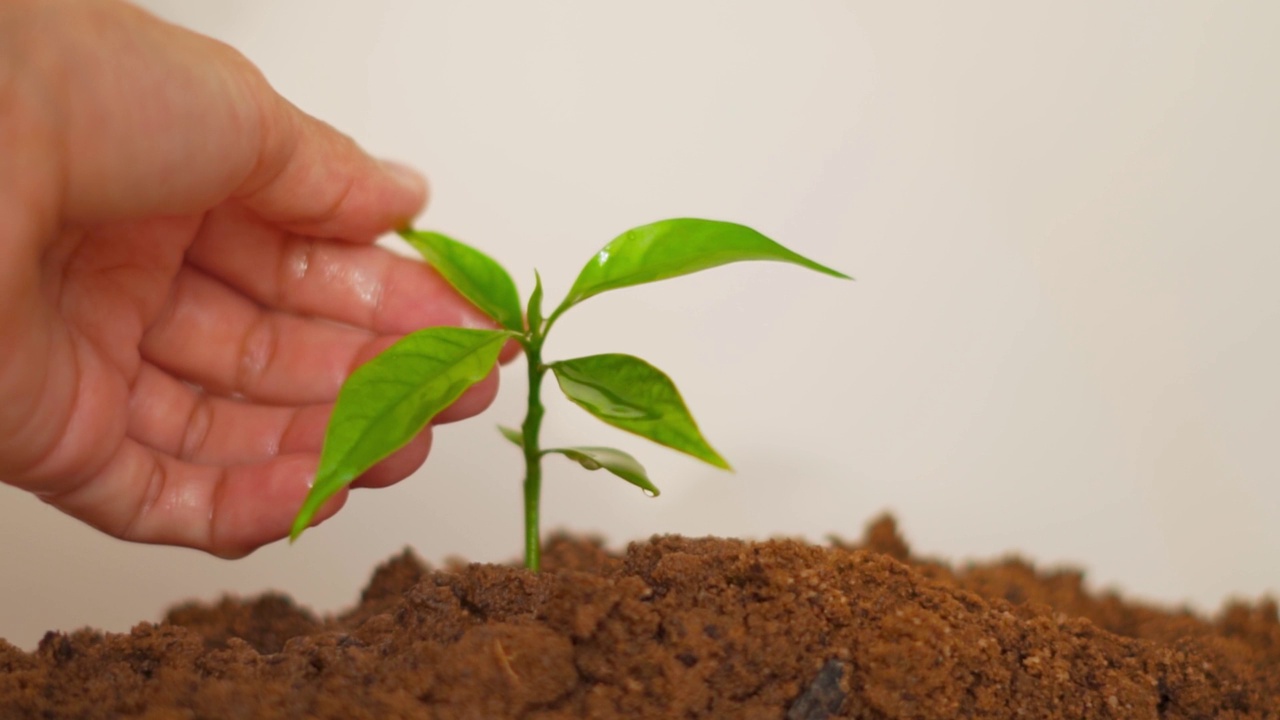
(478,277)
(390,399)
(512,434)
(671,248)
(629,393)
(615,461)
(534,311)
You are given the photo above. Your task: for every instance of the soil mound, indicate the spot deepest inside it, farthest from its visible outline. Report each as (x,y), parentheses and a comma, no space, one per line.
(673,628)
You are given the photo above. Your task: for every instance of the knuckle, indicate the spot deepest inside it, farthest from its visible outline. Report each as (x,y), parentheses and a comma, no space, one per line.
(153,490)
(257,352)
(196,430)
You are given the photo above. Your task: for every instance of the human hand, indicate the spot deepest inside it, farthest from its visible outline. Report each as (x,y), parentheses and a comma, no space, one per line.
(187,276)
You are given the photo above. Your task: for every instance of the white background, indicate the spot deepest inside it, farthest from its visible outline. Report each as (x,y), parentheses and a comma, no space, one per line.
(1063,339)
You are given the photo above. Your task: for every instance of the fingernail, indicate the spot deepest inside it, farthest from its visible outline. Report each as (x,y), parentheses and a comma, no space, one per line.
(406,176)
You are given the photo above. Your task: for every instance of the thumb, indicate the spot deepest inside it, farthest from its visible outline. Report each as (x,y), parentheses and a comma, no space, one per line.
(312,180)
(145,118)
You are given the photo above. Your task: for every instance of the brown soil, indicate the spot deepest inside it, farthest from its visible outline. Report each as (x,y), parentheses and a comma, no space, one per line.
(673,628)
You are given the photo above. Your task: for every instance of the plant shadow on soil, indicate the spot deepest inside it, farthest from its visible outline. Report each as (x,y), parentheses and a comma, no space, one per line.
(673,628)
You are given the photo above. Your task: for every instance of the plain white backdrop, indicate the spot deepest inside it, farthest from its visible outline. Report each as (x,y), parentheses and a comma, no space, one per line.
(1064,221)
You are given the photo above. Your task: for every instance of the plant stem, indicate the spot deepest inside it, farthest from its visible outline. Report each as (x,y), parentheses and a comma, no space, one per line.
(532,452)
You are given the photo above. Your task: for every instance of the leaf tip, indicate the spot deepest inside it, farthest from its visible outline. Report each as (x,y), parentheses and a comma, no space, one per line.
(512,434)
(715,459)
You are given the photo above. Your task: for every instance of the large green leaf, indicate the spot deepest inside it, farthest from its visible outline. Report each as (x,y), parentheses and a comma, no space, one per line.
(478,277)
(391,398)
(615,461)
(671,248)
(629,393)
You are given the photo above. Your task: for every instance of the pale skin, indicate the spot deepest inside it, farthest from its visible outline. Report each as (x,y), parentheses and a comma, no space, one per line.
(187,275)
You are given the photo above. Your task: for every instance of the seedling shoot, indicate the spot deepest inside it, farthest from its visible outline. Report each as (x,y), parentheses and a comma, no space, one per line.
(390,399)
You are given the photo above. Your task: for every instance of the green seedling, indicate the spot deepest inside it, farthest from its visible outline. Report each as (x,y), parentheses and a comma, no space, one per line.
(390,399)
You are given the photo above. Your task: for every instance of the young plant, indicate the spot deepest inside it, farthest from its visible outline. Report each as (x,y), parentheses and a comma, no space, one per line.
(390,399)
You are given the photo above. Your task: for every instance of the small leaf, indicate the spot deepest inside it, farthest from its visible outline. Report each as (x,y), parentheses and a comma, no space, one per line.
(629,393)
(534,312)
(512,434)
(390,399)
(671,248)
(615,461)
(476,276)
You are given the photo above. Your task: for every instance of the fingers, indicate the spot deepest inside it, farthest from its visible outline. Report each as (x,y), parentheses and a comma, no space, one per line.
(175,419)
(218,339)
(190,425)
(144,496)
(229,511)
(215,337)
(365,286)
(178,420)
(400,465)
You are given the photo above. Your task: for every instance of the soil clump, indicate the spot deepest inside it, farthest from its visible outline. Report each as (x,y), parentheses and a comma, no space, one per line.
(673,628)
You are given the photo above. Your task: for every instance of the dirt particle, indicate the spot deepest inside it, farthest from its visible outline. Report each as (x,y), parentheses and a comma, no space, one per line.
(823,697)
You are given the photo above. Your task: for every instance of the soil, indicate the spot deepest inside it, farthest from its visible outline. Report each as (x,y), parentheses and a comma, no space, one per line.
(673,628)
